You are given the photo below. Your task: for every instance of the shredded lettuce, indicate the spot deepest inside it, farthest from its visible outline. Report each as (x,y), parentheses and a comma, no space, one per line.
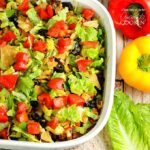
(81,85)
(61,16)
(32,14)
(11,106)
(69,113)
(25,85)
(47,113)
(24,134)
(59,75)
(88,112)
(97,63)
(86,33)
(14,29)
(4,20)
(92,53)
(129,124)
(37,27)
(57,93)
(38,55)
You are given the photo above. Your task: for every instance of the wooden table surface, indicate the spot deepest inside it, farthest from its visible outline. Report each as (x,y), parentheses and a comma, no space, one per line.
(101,142)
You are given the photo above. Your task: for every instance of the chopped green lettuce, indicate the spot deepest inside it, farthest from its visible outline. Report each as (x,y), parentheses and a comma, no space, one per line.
(61,16)
(47,113)
(32,14)
(86,33)
(92,53)
(38,55)
(4,20)
(14,29)
(69,113)
(81,85)
(10,106)
(72,59)
(129,124)
(25,85)
(97,63)
(30,137)
(89,113)
(57,93)
(59,75)
(4,94)
(37,27)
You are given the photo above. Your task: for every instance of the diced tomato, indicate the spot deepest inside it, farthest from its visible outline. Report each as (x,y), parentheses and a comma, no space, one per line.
(3,114)
(82,65)
(91,44)
(24,6)
(53,123)
(74,99)
(33,128)
(72,26)
(22,57)
(58,30)
(9,36)
(60,102)
(62,44)
(20,66)
(29,41)
(22,107)
(43,14)
(56,84)
(37,8)
(87,13)
(39,46)
(4,133)
(23,117)
(50,11)
(2,43)
(2,3)
(45,99)
(8,81)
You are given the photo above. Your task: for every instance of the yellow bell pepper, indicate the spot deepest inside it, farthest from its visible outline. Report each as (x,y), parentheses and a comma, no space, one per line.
(134,65)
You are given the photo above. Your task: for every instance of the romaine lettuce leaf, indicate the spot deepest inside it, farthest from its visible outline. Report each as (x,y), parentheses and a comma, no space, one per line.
(129,124)
(4,20)
(86,33)
(32,14)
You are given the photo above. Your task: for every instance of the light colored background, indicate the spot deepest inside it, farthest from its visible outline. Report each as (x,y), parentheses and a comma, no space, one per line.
(101,142)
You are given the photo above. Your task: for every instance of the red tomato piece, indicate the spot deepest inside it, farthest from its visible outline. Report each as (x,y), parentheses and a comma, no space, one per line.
(2,3)
(8,81)
(4,133)
(74,99)
(40,46)
(60,102)
(23,117)
(72,26)
(50,11)
(2,43)
(82,65)
(22,57)
(9,36)
(33,128)
(20,66)
(60,24)
(3,114)
(22,107)
(43,14)
(53,123)
(62,44)
(91,44)
(29,41)
(87,13)
(24,6)
(45,99)
(56,84)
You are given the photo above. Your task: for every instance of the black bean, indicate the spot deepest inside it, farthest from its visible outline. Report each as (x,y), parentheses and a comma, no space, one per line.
(36,117)
(101,79)
(14,138)
(59,67)
(34,104)
(67,4)
(43,32)
(36,82)
(91,104)
(43,123)
(77,47)
(14,19)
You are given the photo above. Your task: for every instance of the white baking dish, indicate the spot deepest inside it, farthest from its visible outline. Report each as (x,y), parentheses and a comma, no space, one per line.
(108,93)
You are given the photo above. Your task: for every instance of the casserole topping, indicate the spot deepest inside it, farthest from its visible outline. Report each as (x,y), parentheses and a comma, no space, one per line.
(52,63)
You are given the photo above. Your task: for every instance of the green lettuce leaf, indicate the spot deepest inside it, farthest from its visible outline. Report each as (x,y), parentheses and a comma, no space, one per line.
(25,85)
(32,14)
(81,85)
(86,33)
(4,20)
(129,124)
(69,113)
(61,16)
